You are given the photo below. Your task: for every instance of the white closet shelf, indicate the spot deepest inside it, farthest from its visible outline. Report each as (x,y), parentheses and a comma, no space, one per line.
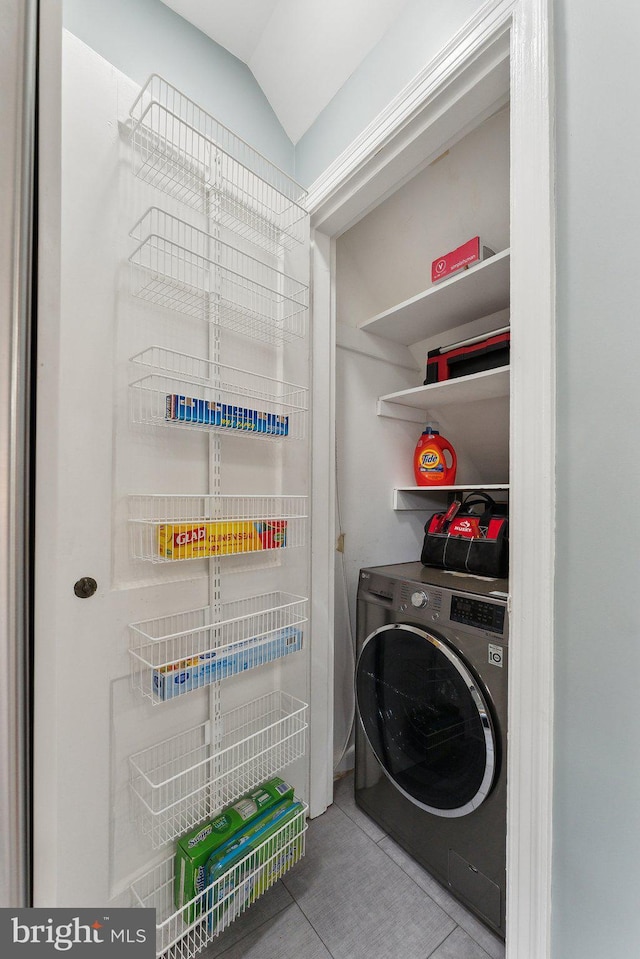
(478,291)
(413,404)
(188,154)
(174,527)
(225,900)
(184,269)
(421,497)
(175,654)
(189,778)
(186,392)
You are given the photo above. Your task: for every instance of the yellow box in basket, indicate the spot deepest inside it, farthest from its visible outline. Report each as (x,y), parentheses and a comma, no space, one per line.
(220,538)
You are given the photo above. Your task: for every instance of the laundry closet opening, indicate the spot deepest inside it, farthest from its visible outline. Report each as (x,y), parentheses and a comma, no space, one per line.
(381,262)
(390,314)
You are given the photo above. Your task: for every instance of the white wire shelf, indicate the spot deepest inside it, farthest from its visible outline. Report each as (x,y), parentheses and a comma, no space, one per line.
(186,392)
(180,782)
(226,899)
(173,655)
(170,528)
(185,269)
(188,154)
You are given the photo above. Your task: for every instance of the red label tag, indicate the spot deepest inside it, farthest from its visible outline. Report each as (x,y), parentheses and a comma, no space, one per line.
(465,526)
(195,535)
(464,255)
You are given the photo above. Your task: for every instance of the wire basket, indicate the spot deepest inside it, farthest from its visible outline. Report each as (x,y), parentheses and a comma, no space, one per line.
(186,392)
(178,783)
(174,655)
(223,901)
(180,267)
(170,528)
(187,153)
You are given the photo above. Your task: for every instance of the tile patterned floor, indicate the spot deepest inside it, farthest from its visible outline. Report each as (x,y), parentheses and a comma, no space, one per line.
(355,895)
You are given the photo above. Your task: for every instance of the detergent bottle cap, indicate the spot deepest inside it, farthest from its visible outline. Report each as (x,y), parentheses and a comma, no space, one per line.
(433,428)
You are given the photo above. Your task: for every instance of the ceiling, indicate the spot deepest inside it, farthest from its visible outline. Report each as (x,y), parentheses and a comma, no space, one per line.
(300,51)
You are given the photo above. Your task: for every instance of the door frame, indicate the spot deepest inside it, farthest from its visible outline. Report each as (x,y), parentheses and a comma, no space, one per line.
(427,117)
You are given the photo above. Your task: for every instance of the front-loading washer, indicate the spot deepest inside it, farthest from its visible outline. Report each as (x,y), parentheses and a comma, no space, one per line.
(431,698)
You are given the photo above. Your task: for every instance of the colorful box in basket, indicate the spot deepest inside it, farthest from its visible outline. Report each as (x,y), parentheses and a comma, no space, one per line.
(210,667)
(231,886)
(194,849)
(191,409)
(220,538)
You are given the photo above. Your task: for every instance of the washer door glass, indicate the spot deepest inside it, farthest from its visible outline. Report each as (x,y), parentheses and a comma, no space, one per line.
(426,720)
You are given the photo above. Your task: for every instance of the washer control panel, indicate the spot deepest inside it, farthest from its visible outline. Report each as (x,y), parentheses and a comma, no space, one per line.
(418,600)
(414,597)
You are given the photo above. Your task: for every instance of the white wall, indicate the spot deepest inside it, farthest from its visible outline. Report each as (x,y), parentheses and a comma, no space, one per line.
(371,460)
(416,37)
(596,868)
(141,37)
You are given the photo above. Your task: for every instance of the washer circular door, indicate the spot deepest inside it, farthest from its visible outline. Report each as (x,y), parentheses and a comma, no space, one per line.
(426,720)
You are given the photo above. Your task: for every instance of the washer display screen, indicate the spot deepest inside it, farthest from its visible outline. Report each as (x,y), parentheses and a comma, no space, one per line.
(474,612)
(425,720)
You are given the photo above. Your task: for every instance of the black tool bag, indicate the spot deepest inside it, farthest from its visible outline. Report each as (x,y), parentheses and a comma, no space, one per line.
(472,536)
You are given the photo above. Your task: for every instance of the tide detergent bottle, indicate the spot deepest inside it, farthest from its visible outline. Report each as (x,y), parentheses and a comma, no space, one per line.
(430,464)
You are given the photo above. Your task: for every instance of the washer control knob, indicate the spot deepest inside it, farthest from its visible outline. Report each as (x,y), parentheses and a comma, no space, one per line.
(419,599)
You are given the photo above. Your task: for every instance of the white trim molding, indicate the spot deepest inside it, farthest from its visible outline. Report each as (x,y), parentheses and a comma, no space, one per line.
(532,501)
(503,53)
(473,55)
(323,391)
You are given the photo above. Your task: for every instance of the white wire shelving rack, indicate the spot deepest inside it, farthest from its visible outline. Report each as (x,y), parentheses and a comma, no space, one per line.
(186,779)
(178,266)
(178,148)
(172,528)
(173,655)
(188,154)
(186,392)
(223,901)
